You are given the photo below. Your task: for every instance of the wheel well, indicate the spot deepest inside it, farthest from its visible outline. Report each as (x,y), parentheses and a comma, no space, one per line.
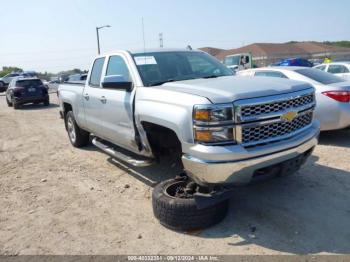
(66,108)
(163,140)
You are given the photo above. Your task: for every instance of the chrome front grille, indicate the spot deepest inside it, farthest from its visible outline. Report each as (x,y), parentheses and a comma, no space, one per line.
(261,109)
(264,132)
(265,120)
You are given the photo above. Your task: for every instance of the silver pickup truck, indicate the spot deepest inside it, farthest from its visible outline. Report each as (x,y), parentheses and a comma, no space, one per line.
(225,129)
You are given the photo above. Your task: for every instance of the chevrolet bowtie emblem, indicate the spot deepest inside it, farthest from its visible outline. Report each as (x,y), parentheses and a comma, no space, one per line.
(290,116)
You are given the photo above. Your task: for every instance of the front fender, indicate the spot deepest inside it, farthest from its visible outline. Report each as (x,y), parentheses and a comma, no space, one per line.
(169,109)
(173,117)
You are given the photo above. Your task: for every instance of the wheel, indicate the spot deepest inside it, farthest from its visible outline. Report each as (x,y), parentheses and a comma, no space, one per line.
(8,102)
(47,102)
(77,136)
(180,213)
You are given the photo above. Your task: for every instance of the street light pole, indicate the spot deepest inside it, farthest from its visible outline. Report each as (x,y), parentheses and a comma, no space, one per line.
(98,41)
(98,37)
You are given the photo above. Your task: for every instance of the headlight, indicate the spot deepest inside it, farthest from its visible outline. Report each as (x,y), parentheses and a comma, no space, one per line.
(213,124)
(213,114)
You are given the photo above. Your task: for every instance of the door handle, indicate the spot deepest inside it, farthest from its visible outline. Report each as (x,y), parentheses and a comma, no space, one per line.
(86,96)
(103,99)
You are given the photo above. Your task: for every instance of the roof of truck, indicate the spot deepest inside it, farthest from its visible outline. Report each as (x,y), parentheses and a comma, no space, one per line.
(156,50)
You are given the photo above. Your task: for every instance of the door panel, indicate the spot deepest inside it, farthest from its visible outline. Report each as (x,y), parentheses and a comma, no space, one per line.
(93,109)
(112,108)
(117,118)
(91,98)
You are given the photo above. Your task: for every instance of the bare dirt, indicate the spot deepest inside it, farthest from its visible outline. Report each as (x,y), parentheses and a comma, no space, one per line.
(55,199)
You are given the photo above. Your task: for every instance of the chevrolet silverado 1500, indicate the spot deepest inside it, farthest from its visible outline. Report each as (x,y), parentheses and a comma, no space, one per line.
(227,130)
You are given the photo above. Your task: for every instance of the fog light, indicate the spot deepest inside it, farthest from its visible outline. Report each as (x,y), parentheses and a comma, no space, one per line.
(214,134)
(203,135)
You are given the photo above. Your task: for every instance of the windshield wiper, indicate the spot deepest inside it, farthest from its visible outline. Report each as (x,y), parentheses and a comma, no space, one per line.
(210,76)
(162,82)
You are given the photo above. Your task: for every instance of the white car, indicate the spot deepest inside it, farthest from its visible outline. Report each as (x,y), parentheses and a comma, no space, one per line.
(332,92)
(341,69)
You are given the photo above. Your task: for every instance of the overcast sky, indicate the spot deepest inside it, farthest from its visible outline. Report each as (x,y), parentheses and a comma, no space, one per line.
(46,35)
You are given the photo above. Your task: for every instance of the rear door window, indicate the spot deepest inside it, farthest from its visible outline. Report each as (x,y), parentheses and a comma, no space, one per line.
(96,72)
(337,69)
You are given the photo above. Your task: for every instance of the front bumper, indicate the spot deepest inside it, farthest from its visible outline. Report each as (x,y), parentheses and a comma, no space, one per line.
(240,170)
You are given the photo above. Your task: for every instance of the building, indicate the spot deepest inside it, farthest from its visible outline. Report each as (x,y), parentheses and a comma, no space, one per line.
(267,53)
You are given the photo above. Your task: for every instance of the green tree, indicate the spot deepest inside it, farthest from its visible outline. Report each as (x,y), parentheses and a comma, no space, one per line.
(9,69)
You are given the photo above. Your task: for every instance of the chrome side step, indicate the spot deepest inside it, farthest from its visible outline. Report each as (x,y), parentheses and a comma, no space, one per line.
(121,156)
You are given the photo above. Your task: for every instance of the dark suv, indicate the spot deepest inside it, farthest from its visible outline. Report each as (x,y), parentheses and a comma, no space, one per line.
(26,90)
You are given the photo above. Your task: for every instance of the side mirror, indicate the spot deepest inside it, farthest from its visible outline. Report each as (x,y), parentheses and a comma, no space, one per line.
(117,82)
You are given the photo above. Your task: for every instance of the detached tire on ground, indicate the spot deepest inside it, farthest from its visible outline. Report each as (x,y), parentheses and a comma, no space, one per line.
(182,214)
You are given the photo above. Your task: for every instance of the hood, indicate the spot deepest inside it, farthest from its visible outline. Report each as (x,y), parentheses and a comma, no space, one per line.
(231,88)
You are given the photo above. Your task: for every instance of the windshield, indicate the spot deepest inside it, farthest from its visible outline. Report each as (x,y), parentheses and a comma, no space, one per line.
(232,60)
(156,68)
(319,76)
(29,83)
(11,75)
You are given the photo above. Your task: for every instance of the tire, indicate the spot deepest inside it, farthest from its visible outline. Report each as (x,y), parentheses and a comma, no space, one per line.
(47,102)
(77,136)
(181,214)
(9,104)
(15,105)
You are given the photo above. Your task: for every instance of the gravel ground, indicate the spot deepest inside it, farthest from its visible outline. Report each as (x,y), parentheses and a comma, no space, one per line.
(55,199)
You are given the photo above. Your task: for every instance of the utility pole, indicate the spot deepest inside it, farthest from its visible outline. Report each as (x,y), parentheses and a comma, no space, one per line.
(98,41)
(98,37)
(143,37)
(161,40)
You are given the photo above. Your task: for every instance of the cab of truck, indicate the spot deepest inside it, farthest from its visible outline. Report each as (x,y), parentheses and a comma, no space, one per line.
(238,62)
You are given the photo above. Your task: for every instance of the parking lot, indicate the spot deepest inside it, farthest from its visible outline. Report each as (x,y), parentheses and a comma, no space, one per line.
(56,199)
